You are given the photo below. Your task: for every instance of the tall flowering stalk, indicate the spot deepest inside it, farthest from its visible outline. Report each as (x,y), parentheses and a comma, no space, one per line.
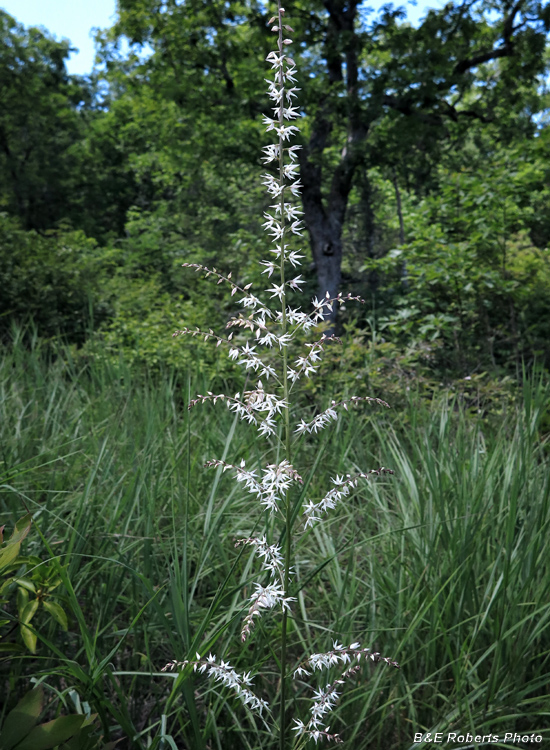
(270,412)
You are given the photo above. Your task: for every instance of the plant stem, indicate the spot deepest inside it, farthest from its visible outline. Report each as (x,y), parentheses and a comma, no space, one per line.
(288,455)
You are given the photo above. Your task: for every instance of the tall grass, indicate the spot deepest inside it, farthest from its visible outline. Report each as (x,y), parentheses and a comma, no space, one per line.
(445,564)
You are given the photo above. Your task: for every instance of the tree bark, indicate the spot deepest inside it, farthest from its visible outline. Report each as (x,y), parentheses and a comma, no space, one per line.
(325,218)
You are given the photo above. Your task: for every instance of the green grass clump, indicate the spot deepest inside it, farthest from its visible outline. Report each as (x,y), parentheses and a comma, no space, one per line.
(442,566)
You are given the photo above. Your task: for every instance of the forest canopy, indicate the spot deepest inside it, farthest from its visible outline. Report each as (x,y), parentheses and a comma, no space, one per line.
(425,165)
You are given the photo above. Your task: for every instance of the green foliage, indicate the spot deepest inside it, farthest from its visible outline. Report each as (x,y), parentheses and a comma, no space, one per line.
(470,283)
(156,157)
(34,581)
(50,280)
(113,463)
(39,124)
(21,730)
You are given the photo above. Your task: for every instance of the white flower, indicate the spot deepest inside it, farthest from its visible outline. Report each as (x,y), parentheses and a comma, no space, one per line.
(292,151)
(296,283)
(271,153)
(274,92)
(290,170)
(285,131)
(270,267)
(295,188)
(290,113)
(270,122)
(294,257)
(274,188)
(288,75)
(275,59)
(278,291)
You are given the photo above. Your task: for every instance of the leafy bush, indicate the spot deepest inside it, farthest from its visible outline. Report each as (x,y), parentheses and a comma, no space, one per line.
(51,279)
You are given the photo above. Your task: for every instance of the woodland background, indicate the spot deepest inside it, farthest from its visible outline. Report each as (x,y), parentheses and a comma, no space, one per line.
(426,191)
(425,165)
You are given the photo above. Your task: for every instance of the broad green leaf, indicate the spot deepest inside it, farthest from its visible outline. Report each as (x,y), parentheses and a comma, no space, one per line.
(6,583)
(8,555)
(58,613)
(26,584)
(20,721)
(22,599)
(85,739)
(29,611)
(22,528)
(29,638)
(53,733)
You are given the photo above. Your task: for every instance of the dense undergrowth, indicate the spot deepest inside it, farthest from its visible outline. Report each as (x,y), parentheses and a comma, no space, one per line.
(443,565)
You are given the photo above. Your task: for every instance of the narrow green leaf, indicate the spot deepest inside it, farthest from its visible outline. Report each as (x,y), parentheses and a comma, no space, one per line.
(11,648)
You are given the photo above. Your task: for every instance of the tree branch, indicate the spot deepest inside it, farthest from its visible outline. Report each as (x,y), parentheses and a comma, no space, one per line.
(506,50)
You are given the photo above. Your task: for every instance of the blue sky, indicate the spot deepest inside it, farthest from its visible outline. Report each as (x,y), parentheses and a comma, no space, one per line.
(68,19)
(74,20)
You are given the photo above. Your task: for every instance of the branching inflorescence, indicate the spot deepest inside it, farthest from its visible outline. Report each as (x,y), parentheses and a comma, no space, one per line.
(273,330)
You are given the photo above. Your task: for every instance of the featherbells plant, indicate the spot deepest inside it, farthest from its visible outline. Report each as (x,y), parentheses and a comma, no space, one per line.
(273,329)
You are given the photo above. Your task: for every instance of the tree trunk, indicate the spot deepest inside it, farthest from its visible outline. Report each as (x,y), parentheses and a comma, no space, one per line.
(324,218)
(325,231)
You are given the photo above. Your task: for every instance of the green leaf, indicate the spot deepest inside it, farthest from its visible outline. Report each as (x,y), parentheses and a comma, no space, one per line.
(11,648)
(22,600)
(29,611)
(8,555)
(11,550)
(29,638)
(53,733)
(25,583)
(22,719)
(6,583)
(58,613)
(22,528)
(84,739)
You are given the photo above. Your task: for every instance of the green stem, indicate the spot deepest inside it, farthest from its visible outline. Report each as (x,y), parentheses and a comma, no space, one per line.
(288,509)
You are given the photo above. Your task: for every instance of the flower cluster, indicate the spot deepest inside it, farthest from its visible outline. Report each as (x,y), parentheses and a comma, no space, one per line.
(224,673)
(342,488)
(324,699)
(276,480)
(253,403)
(265,597)
(330,414)
(272,326)
(269,554)
(339,654)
